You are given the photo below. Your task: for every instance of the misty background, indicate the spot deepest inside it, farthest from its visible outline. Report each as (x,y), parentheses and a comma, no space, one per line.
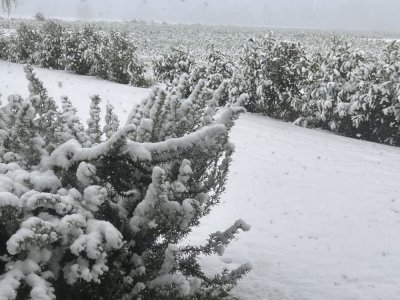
(324,14)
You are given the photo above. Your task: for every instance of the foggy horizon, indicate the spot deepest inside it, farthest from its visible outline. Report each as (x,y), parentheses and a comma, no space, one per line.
(322,14)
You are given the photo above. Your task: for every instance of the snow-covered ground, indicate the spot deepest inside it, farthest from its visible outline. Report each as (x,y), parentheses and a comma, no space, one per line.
(324,209)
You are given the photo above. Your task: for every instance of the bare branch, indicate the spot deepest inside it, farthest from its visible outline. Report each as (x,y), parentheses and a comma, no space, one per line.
(7,5)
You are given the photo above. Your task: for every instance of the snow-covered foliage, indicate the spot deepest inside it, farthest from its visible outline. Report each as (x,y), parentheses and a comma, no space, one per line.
(112,121)
(218,70)
(50,47)
(79,49)
(219,66)
(272,73)
(342,89)
(109,55)
(115,59)
(22,45)
(179,68)
(173,64)
(351,93)
(91,214)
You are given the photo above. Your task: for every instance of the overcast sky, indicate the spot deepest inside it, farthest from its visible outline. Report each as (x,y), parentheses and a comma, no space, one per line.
(340,14)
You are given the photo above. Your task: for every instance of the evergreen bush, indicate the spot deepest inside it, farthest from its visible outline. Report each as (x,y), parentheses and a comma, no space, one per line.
(103,214)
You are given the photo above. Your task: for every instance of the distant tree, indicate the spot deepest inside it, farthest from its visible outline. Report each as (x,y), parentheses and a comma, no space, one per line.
(7,5)
(40,17)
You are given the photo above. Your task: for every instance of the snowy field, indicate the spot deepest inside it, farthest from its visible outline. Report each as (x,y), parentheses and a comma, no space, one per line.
(324,209)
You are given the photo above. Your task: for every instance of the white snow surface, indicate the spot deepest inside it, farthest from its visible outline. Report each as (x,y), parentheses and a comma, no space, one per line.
(324,210)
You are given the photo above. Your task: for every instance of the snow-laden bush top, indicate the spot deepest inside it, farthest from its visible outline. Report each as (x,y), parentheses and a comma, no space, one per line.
(102,214)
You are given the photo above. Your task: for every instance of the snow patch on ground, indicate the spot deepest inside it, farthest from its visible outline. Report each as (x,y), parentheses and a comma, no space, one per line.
(324,209)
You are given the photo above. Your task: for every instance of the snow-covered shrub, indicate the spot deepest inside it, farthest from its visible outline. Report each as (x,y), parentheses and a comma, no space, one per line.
(272,72)
(173,64)
(116,59)
(329,88)
(237,86)
(217,73)
(219,67)
(4,44)
(112,121)
(104,216)
(110,55)
(375,109)
(23,45)
(353,94)
(186,85)
(79,50)
(216,70)
(50,48)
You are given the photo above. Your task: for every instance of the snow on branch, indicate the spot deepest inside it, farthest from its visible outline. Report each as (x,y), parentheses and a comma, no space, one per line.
(72,152)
